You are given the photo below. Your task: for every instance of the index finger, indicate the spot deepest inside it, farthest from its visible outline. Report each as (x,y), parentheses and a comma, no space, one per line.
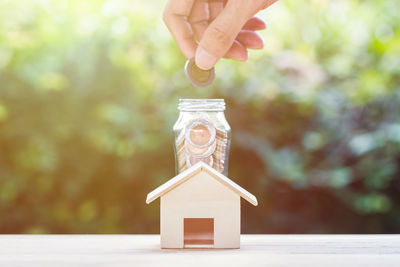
(175,15)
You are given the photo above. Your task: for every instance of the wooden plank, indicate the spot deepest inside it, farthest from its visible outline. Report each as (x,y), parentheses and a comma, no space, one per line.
(256,250)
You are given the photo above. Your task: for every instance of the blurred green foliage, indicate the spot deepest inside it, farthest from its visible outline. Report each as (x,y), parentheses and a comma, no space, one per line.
(88,97)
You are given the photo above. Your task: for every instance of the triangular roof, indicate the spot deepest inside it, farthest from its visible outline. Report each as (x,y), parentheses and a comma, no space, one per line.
(189,173)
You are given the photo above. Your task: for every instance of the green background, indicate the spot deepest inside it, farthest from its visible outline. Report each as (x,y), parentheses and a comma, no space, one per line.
(89,92)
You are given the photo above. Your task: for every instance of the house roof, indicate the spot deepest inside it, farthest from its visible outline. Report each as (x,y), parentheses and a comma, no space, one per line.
(192,171)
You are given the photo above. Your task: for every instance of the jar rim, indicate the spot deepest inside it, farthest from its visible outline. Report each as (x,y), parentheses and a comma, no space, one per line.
(211,104)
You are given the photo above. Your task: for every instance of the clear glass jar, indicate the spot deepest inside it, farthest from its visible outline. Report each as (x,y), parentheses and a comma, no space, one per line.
(202,134)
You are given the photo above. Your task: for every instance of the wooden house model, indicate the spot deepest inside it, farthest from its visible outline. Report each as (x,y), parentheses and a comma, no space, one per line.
(200,207)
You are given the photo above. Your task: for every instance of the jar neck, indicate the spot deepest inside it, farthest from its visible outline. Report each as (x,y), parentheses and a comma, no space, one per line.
(201,105)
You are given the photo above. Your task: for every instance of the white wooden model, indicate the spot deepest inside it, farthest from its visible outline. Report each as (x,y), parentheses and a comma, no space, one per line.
(200,207)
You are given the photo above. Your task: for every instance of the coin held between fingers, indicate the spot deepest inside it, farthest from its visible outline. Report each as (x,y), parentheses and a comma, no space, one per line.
(198,77)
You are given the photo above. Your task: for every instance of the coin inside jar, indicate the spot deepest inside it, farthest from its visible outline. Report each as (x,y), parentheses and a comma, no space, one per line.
(198,77)
(200,138)
(192,160)
(200,135)
(200,151)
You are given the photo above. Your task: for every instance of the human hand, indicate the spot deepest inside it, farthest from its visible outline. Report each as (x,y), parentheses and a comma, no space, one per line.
(211,29)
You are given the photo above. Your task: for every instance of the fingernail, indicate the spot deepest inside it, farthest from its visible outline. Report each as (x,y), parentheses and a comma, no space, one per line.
(204,60)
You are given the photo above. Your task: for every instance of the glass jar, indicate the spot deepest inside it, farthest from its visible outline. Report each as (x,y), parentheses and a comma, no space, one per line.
(202,134)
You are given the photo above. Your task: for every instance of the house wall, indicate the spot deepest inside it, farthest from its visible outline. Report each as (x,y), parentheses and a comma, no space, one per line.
(201,197)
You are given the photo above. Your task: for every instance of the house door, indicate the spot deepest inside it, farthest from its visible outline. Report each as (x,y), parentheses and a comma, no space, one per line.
(198,232)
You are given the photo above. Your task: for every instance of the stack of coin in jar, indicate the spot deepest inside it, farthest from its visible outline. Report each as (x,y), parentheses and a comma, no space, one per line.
(201,141)
(220,150)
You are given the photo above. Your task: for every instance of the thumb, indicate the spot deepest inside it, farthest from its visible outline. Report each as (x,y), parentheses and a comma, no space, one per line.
(220,34)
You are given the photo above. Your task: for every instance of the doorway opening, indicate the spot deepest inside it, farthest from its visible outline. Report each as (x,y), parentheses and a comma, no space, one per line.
(198,232)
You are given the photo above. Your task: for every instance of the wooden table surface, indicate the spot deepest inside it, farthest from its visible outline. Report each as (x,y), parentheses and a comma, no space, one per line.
(256,250)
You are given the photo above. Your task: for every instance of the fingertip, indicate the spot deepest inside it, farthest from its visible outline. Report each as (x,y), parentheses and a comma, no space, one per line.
(258,43)
(242,57)
(250,39)
(245,57)
(237,52)
(262,43)
(188,49)
(189,54)
(204,60)
(255,24)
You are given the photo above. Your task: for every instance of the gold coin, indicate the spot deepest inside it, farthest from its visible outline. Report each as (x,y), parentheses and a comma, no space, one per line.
(199,74)
(198,77)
